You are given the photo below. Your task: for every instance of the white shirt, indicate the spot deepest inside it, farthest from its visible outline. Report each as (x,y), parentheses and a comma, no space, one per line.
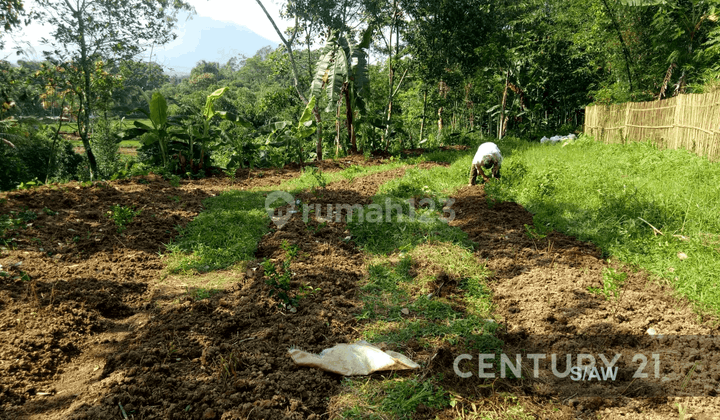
(487,149)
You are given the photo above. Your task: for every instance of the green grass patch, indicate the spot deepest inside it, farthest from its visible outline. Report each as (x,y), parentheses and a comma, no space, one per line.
(438,183)
(398,300)
(312,178)
(645,206)
(394,398)
(446,156)
(125,143)
(458,263)
(201,293)
(225,233)
(130,143)
(424,285)
(397,308)
(400,307)
(377,230)
(412,210)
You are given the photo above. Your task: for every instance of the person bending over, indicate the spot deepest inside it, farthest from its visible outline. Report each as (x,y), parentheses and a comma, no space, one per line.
(487,157)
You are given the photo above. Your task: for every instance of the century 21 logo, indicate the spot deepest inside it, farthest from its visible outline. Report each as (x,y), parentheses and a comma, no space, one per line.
(584,369)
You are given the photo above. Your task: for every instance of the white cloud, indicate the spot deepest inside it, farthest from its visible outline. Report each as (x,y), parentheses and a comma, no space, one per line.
(242,12)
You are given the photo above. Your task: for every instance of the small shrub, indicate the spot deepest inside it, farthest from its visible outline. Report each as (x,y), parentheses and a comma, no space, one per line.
(612,283)
(106,146)
(279,281)
(122,216)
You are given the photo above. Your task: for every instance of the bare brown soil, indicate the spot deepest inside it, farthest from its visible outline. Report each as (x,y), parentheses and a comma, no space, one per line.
(90,322)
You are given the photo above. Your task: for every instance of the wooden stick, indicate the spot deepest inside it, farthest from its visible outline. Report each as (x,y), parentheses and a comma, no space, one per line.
(655,230)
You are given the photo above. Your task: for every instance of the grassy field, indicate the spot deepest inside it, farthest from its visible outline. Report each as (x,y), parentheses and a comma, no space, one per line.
(657,209)
(71,127)
(651,208)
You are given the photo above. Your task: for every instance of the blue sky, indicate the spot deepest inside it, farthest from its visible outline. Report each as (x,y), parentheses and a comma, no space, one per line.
(219,30)
(204,38)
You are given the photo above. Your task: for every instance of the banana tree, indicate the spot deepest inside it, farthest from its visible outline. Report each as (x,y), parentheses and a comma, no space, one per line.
(244,150)
(159,132)
(201,132)
(342,71)
(285,134)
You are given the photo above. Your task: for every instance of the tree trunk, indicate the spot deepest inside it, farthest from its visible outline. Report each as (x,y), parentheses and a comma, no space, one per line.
(626,53)
(337,126)
(391,74)
(390,103)
(318,145)
(56,137)
(440,120)
(469,105)
(386,136)
(422,122)
(501,126)
(85,107)
(349,114)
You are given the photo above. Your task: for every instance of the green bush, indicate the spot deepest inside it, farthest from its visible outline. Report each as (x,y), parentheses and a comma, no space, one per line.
(151,156)
(106,146)
(29,159)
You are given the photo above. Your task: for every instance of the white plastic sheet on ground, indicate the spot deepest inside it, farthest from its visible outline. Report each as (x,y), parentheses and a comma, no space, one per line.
(361,358)
(555,139)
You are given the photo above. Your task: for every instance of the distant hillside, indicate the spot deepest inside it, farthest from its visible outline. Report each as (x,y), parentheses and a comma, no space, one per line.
(203,38)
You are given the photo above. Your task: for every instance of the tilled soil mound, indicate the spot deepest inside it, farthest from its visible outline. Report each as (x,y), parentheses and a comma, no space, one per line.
(87,329)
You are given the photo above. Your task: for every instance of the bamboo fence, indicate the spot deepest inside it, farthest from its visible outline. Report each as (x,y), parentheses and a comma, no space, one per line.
(690,121)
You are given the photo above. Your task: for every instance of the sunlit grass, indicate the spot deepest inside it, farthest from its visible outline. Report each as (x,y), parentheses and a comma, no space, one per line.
(617,195)
(228,231)
(403,298)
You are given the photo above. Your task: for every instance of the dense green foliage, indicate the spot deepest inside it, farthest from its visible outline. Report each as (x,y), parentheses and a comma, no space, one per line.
(436,71)
(35,158)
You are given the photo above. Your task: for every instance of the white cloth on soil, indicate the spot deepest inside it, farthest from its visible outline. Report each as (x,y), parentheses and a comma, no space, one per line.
(361,358)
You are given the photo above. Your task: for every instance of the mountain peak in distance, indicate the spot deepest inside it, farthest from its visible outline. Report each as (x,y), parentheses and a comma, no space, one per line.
(204,38)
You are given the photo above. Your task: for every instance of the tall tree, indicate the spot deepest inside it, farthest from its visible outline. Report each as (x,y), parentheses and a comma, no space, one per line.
(289,47)
(683,29)
(11,13)
(89,30)
(137,77)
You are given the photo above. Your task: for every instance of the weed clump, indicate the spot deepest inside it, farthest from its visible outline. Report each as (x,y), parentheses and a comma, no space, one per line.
(122,216)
